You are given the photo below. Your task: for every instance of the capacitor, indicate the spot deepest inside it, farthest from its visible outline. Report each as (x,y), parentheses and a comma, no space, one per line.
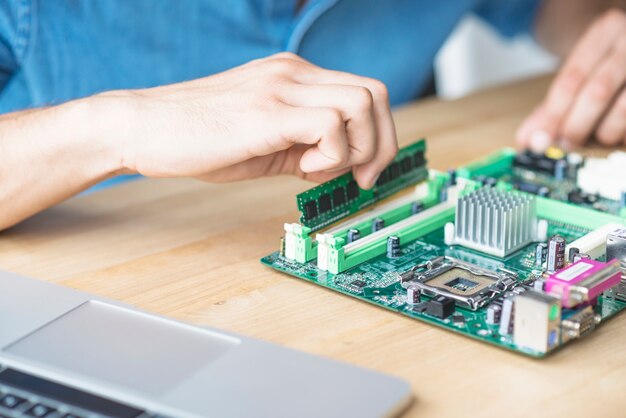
(592,198)
(540,253)
(417,207)
(443,194)
(353,235)
(560,170)
(491,181)
(413,295)
(378,224)
(452,174)
(556,253)
(494,313)
(543,191)
(393,246)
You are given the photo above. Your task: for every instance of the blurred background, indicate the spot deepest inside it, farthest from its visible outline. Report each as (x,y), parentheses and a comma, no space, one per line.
(474,55)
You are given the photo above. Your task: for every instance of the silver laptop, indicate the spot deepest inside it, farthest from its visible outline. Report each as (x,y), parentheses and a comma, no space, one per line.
(65,353)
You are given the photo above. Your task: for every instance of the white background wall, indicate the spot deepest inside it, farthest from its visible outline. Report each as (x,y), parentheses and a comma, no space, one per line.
(475,56)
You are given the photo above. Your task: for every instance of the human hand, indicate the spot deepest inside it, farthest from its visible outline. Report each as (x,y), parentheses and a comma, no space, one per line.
(277,115)
(587,98)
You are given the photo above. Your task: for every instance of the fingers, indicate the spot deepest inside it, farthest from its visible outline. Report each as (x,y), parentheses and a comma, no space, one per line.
(595,98)
(324,129)
(356,107)
(583,89)
(367,101)
(612,130)
(281,162)
(387,144)
(361,103)
(532,133)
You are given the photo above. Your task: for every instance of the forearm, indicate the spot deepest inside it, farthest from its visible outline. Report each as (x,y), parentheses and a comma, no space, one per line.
(48,155)
(560,23)
(15,115)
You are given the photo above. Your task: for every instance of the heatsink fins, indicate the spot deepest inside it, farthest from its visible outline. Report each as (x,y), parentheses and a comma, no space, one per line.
(495,222)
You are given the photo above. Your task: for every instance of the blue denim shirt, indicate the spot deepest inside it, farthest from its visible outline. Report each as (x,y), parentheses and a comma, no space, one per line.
(56,50)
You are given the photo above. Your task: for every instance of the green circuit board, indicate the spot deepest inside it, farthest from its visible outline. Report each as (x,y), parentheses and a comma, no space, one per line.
(502,166)
(371,274)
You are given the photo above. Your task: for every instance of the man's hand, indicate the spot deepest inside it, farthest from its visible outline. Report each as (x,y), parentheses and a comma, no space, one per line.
(278,115)
(588,97)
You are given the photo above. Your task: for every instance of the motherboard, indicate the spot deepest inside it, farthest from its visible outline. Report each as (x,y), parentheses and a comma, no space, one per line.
(521,250)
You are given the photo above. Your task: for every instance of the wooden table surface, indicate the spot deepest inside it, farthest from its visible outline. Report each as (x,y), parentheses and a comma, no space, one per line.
(190,250)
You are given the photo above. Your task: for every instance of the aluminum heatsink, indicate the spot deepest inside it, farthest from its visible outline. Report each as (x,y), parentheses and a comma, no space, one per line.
(495,222)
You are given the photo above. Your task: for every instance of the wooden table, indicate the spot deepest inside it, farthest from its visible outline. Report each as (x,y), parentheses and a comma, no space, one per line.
(190,251)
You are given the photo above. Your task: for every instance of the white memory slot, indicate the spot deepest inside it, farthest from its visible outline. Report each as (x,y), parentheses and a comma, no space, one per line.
(373,213)
(593,243)
(322,252)
(290,242)
(420,192)
(398,226)
(454,192)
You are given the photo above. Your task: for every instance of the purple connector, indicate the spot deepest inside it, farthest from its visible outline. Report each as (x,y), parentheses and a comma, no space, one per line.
(583,281)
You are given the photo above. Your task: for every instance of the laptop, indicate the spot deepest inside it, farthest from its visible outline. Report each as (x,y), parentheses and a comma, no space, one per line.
(68,354)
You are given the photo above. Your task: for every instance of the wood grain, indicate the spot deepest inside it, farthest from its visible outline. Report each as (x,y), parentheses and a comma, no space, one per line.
(190,250)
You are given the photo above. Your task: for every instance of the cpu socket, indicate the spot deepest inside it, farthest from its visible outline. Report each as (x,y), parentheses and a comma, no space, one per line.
(469,285)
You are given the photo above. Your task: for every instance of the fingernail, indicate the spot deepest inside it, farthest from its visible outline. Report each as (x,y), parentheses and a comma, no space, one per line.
(540,141)
(367,185)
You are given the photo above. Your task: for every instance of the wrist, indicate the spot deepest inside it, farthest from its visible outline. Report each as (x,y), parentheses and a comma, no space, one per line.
(99,128)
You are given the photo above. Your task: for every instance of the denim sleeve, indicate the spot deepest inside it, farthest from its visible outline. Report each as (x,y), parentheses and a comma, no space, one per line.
(14,35)
(509,17)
